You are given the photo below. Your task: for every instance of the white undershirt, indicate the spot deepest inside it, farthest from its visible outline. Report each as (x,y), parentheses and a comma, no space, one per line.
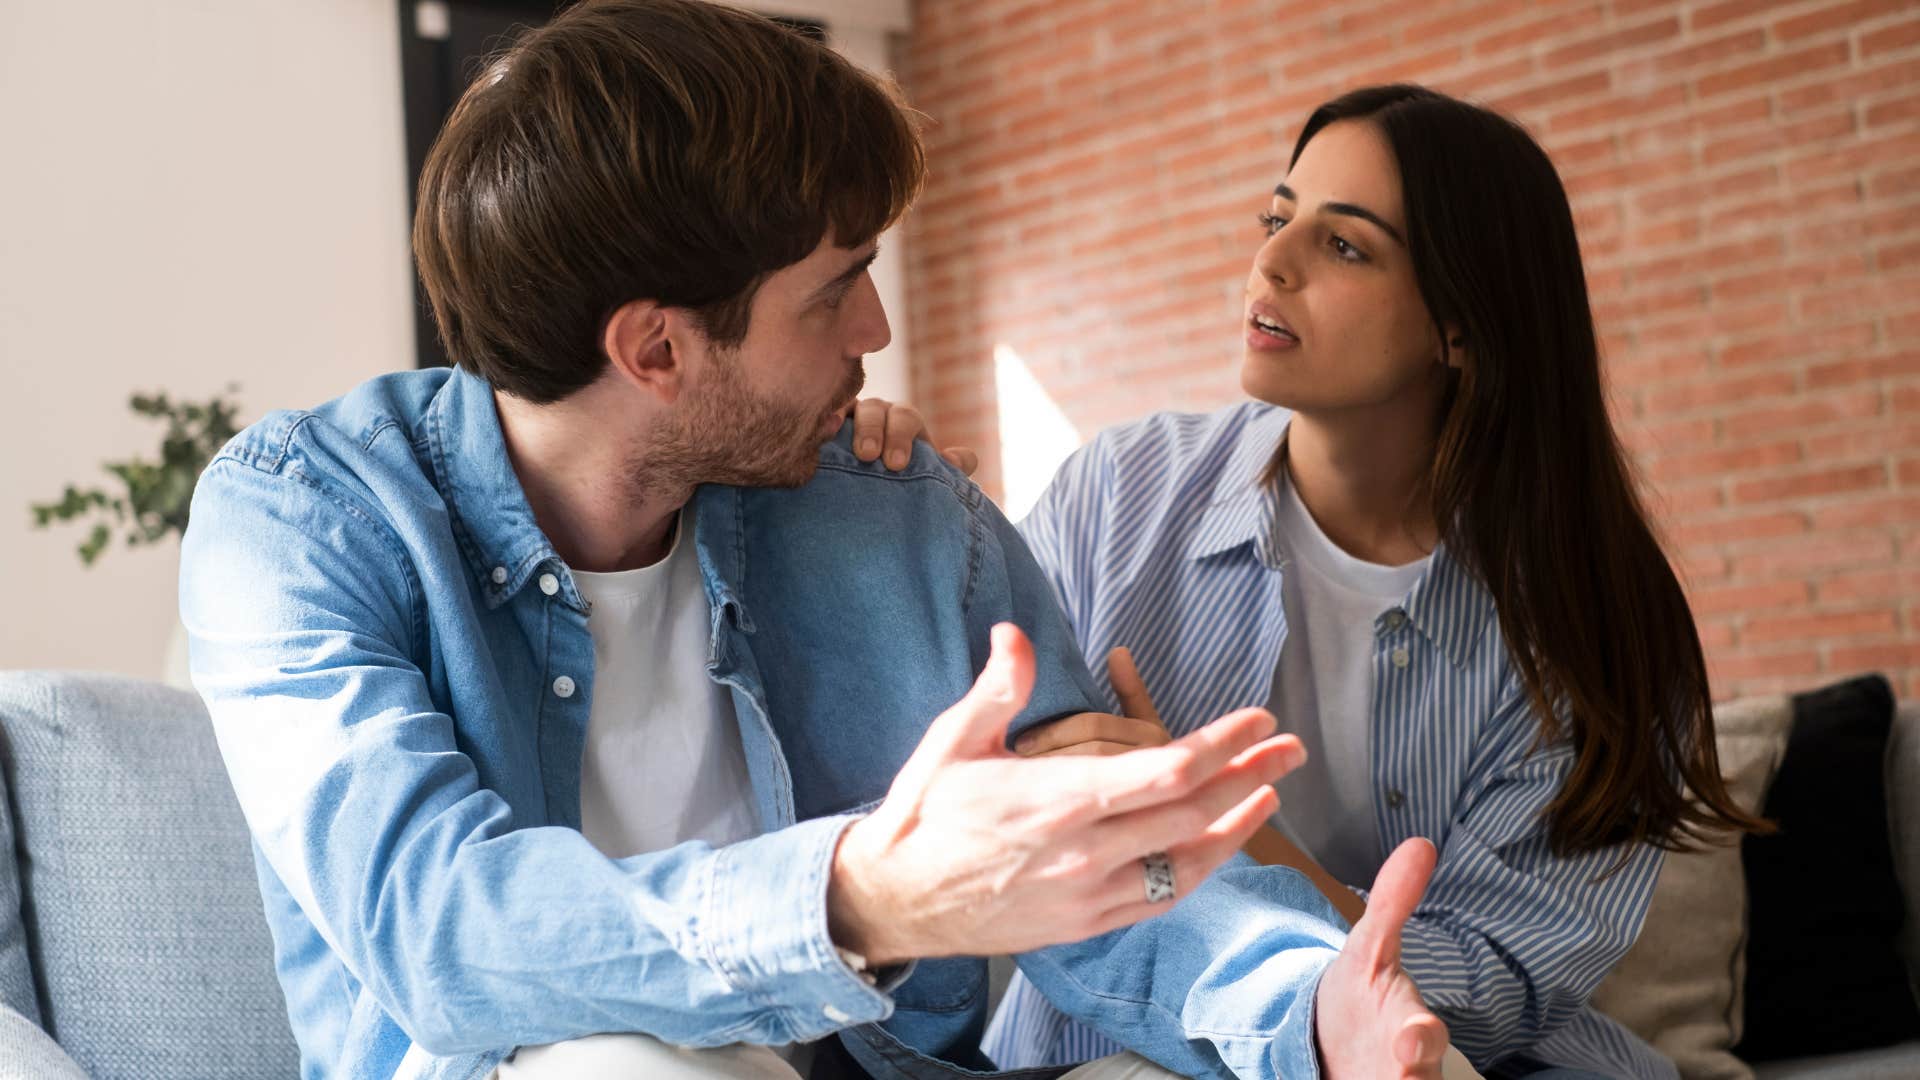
(1323,691)
(663,762)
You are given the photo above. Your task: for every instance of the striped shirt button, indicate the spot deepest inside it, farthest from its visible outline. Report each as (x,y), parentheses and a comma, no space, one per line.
(1395,797)
(1400,658)
(1396,619)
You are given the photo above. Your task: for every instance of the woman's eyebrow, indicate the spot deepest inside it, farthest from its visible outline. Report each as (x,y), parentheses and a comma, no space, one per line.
(1348,209)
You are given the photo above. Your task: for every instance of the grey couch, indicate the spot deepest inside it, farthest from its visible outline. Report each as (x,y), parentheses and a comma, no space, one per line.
(132,942)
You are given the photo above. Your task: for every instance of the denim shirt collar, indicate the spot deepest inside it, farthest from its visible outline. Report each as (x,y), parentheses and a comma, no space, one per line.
(502,543)
(1447,606)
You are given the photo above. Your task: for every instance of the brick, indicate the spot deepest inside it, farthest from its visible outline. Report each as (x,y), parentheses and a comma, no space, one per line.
(1801,560)
(1894,112)
(1749,667)
(1864,659)
(1774,69)
(1579,86)
(1721,391)
(1849,87)
(1554,25)
(1820,411)
(1702,54)
(1897,36)
(1863,442)
(1870,513)
(1612,42)
(1798,134)
(1722,462)
(1743,598)
(1835,18)
(1729,11)
(1740,529)
(1799,345)
(1821,627)
(1803,485)
(1619,108)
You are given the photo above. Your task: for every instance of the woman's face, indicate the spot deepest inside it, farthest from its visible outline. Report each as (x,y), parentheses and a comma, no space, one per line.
(1334,317)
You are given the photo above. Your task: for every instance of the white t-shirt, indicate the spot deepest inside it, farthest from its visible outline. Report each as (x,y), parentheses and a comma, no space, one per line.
(663,762)
(1323,691)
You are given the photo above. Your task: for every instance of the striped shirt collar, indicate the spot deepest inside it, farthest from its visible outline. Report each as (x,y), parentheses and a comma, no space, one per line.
(1447,605)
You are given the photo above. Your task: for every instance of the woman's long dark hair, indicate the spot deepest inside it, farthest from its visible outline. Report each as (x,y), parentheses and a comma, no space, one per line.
(1530,487)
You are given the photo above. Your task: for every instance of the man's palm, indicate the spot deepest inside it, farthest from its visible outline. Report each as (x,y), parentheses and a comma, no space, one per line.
(1371,1022)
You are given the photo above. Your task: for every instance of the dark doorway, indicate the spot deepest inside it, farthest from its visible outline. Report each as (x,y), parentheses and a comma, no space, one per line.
(444,44)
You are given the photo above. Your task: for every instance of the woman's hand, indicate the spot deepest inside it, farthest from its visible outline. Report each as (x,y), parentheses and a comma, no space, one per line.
(1102,734)
(882,429)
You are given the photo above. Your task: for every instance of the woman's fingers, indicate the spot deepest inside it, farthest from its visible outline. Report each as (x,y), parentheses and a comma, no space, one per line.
(1129,686)
(1084,729)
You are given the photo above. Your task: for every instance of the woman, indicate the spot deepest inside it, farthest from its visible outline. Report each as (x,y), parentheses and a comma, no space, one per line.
(1421,546)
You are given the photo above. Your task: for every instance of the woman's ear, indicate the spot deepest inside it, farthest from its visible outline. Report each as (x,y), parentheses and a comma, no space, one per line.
(1453,346)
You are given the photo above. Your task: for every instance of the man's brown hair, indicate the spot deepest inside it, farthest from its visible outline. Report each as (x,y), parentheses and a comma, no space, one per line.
(667,150)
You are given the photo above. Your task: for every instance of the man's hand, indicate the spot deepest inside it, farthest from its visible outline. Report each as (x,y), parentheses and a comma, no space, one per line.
(977,851)
(881,427)
(1370,1022)
(1103,734)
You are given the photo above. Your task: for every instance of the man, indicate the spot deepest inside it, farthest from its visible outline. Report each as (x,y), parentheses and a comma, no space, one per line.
(575,741)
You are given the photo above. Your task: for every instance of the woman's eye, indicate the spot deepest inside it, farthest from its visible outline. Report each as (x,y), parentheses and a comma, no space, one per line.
(1346,250)
(1271,222)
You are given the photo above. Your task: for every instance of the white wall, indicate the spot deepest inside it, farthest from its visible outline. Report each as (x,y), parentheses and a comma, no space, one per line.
(191,194)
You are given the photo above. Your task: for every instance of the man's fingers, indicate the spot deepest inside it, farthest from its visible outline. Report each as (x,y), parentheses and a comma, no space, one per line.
(869,427)
(1164,773)
(1420,1044)
(1129,687)
(1192,863)
(904,424)
(1397,889)
(1168,825)
(1088,728)
(976,726)
(962,458)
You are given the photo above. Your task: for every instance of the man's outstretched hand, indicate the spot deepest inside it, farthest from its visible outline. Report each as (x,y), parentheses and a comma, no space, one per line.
(1370,1021)
(978,851)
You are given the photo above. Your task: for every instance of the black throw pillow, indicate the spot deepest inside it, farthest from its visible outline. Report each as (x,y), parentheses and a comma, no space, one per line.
(1823,972)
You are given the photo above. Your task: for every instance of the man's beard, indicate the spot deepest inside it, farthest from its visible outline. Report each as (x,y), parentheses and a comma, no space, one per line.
(725,433)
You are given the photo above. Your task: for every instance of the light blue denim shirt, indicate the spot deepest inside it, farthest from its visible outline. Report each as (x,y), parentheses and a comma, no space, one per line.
(400,673)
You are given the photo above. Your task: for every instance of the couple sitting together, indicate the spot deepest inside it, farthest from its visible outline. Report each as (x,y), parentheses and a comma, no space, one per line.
(630,701)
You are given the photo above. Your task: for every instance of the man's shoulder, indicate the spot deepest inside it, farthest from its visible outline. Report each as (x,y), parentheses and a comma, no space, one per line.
(376,425)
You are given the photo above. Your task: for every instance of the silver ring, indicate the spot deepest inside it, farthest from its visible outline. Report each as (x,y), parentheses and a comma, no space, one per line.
(1159,877)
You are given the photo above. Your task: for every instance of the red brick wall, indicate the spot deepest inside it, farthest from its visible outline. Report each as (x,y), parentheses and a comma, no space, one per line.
(1746,178)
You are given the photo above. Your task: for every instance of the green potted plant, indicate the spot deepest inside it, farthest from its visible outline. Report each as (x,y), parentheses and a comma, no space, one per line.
(156,495)
(150,501)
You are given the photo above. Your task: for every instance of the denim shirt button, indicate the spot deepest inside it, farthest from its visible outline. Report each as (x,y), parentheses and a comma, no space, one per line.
(836,1015)
(563,687)
(499,575)
(549,584)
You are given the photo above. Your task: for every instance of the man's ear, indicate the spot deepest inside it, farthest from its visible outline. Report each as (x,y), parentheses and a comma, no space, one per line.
(639,345)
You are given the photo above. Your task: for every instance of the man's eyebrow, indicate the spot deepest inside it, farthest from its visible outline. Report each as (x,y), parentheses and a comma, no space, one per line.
(847,276)
(1348,209)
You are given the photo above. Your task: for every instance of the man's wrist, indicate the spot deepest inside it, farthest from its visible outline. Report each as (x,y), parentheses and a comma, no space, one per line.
(860,917)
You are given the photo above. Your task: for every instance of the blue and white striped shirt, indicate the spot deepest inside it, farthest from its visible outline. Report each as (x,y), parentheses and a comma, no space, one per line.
(1159,536)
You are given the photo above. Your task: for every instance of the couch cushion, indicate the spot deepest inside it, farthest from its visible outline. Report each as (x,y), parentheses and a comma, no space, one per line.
(142,913)
(28,1053)
(1679,986)
(1903,821)
(1826,908)
(16,965)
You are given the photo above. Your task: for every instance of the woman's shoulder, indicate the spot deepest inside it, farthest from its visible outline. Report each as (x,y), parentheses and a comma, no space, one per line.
(1184,447)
